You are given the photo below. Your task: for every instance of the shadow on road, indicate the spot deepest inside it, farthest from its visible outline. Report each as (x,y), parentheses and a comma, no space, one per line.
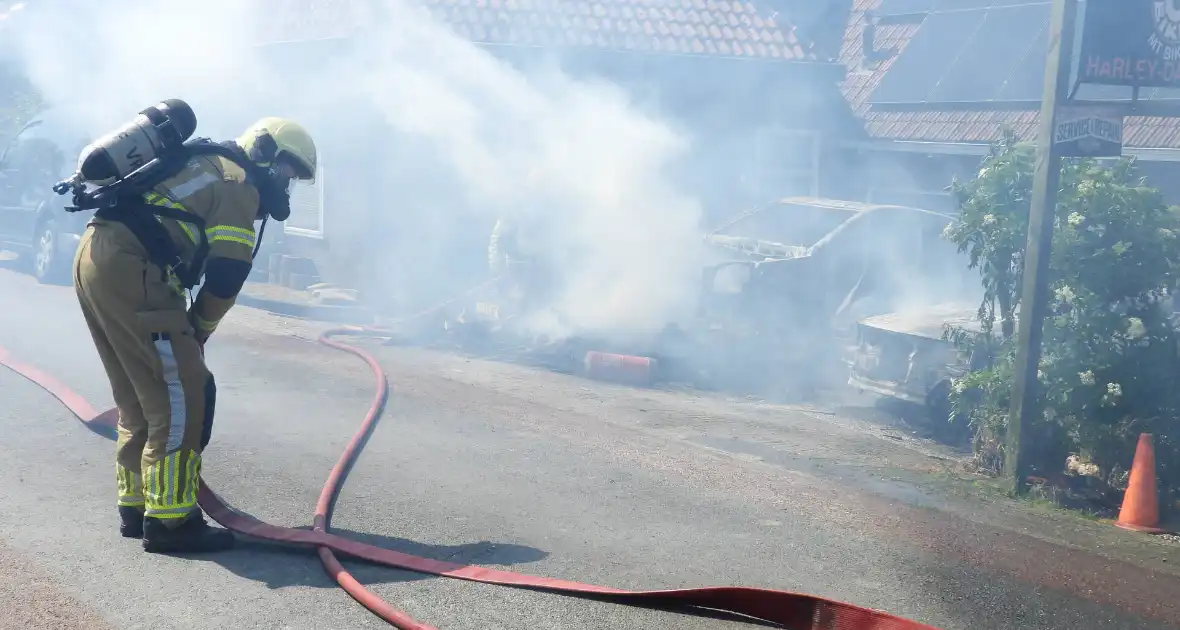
(280,566)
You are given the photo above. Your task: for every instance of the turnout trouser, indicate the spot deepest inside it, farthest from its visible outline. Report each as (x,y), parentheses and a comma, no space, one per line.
(164,393)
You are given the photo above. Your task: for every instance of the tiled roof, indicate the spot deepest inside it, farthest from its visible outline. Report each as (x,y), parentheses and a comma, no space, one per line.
(692,27)
(862,78)
(954,126)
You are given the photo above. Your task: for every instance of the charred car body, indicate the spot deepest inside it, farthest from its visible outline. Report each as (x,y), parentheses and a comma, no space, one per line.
(792,279)
(782,291)
(905,357)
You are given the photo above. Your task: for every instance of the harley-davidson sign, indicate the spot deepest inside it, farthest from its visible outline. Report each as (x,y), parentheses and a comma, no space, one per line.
(1131,42)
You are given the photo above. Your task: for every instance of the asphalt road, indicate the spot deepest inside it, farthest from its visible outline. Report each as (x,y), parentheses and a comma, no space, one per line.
(501,466)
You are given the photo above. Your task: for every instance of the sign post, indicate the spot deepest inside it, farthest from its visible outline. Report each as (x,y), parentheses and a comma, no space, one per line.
(1129,43)
(1025,402)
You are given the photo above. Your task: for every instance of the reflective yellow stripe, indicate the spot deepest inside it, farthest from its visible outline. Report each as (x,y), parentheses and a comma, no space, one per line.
(204,324)
(160,200)
(231,234)
(192,236)
(246,232)
(165,479)
(130,492)
(194,475)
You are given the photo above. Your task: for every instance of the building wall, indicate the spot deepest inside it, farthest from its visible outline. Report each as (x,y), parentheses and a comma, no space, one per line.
(1165,176)
(918,180)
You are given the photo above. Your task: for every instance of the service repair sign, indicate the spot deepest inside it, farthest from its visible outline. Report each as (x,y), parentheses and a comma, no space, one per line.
(1131,42)
(1088,131)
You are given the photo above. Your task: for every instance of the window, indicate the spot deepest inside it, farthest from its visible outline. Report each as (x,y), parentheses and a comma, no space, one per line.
(307,207)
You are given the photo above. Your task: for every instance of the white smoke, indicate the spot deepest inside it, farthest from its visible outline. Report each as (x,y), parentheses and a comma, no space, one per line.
(578,155)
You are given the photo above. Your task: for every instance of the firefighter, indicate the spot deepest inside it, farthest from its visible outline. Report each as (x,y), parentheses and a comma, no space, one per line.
(518,255)
(151,340)
(517,248)
(503,247)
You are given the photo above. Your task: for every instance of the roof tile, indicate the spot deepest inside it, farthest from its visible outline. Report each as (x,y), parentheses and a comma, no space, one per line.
(688,27)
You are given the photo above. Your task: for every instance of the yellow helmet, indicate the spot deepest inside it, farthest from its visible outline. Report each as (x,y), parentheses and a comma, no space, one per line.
(273,139)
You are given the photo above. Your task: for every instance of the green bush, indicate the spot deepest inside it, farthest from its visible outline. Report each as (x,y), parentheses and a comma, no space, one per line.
(1109,361)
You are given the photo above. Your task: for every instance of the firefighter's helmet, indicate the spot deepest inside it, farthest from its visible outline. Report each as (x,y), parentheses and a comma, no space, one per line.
(274,140)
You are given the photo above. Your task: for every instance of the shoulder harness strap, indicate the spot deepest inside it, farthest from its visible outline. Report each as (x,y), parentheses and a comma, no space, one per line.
(126,204)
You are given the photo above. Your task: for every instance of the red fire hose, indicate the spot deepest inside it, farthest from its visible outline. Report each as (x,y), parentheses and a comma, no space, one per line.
(791,610)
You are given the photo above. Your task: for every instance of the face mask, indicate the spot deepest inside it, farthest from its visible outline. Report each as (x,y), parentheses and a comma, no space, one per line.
(274,194)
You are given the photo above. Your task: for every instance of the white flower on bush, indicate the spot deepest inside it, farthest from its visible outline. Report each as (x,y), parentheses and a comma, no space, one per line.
(989,219)
(1113,392)
(1086,377)
(1075,219)
(1065,294)
(1135,328)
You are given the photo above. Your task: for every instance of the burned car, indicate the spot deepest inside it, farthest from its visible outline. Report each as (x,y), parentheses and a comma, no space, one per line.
(781,292)
(905,356)
(790,280)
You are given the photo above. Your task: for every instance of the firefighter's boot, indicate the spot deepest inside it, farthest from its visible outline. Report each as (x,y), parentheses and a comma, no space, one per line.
(193,536)
(132,521)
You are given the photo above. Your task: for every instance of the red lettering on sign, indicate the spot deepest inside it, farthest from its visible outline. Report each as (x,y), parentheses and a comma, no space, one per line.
(1118,68)
(1144,69)
(1131,70)
(1093,64)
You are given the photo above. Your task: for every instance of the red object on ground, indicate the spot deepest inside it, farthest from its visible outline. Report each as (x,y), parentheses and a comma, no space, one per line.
(792,610)
(619,367)
(1141,505)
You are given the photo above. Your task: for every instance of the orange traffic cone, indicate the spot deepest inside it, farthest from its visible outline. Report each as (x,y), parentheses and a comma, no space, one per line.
(1140,511)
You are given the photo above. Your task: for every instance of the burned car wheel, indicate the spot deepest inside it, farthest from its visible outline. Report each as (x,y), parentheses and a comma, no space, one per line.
(48,264)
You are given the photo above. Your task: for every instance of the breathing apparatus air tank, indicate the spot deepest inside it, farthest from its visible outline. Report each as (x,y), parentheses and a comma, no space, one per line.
(155,131)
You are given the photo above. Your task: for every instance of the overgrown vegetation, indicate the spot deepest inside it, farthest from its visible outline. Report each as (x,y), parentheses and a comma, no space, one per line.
(1109,362)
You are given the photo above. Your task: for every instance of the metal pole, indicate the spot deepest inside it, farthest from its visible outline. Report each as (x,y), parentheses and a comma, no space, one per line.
(1025,404)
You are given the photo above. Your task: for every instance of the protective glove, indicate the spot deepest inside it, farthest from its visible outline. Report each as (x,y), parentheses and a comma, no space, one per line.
(202,329)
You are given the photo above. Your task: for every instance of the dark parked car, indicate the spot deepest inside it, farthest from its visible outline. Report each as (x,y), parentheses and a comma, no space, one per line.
(33,220)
